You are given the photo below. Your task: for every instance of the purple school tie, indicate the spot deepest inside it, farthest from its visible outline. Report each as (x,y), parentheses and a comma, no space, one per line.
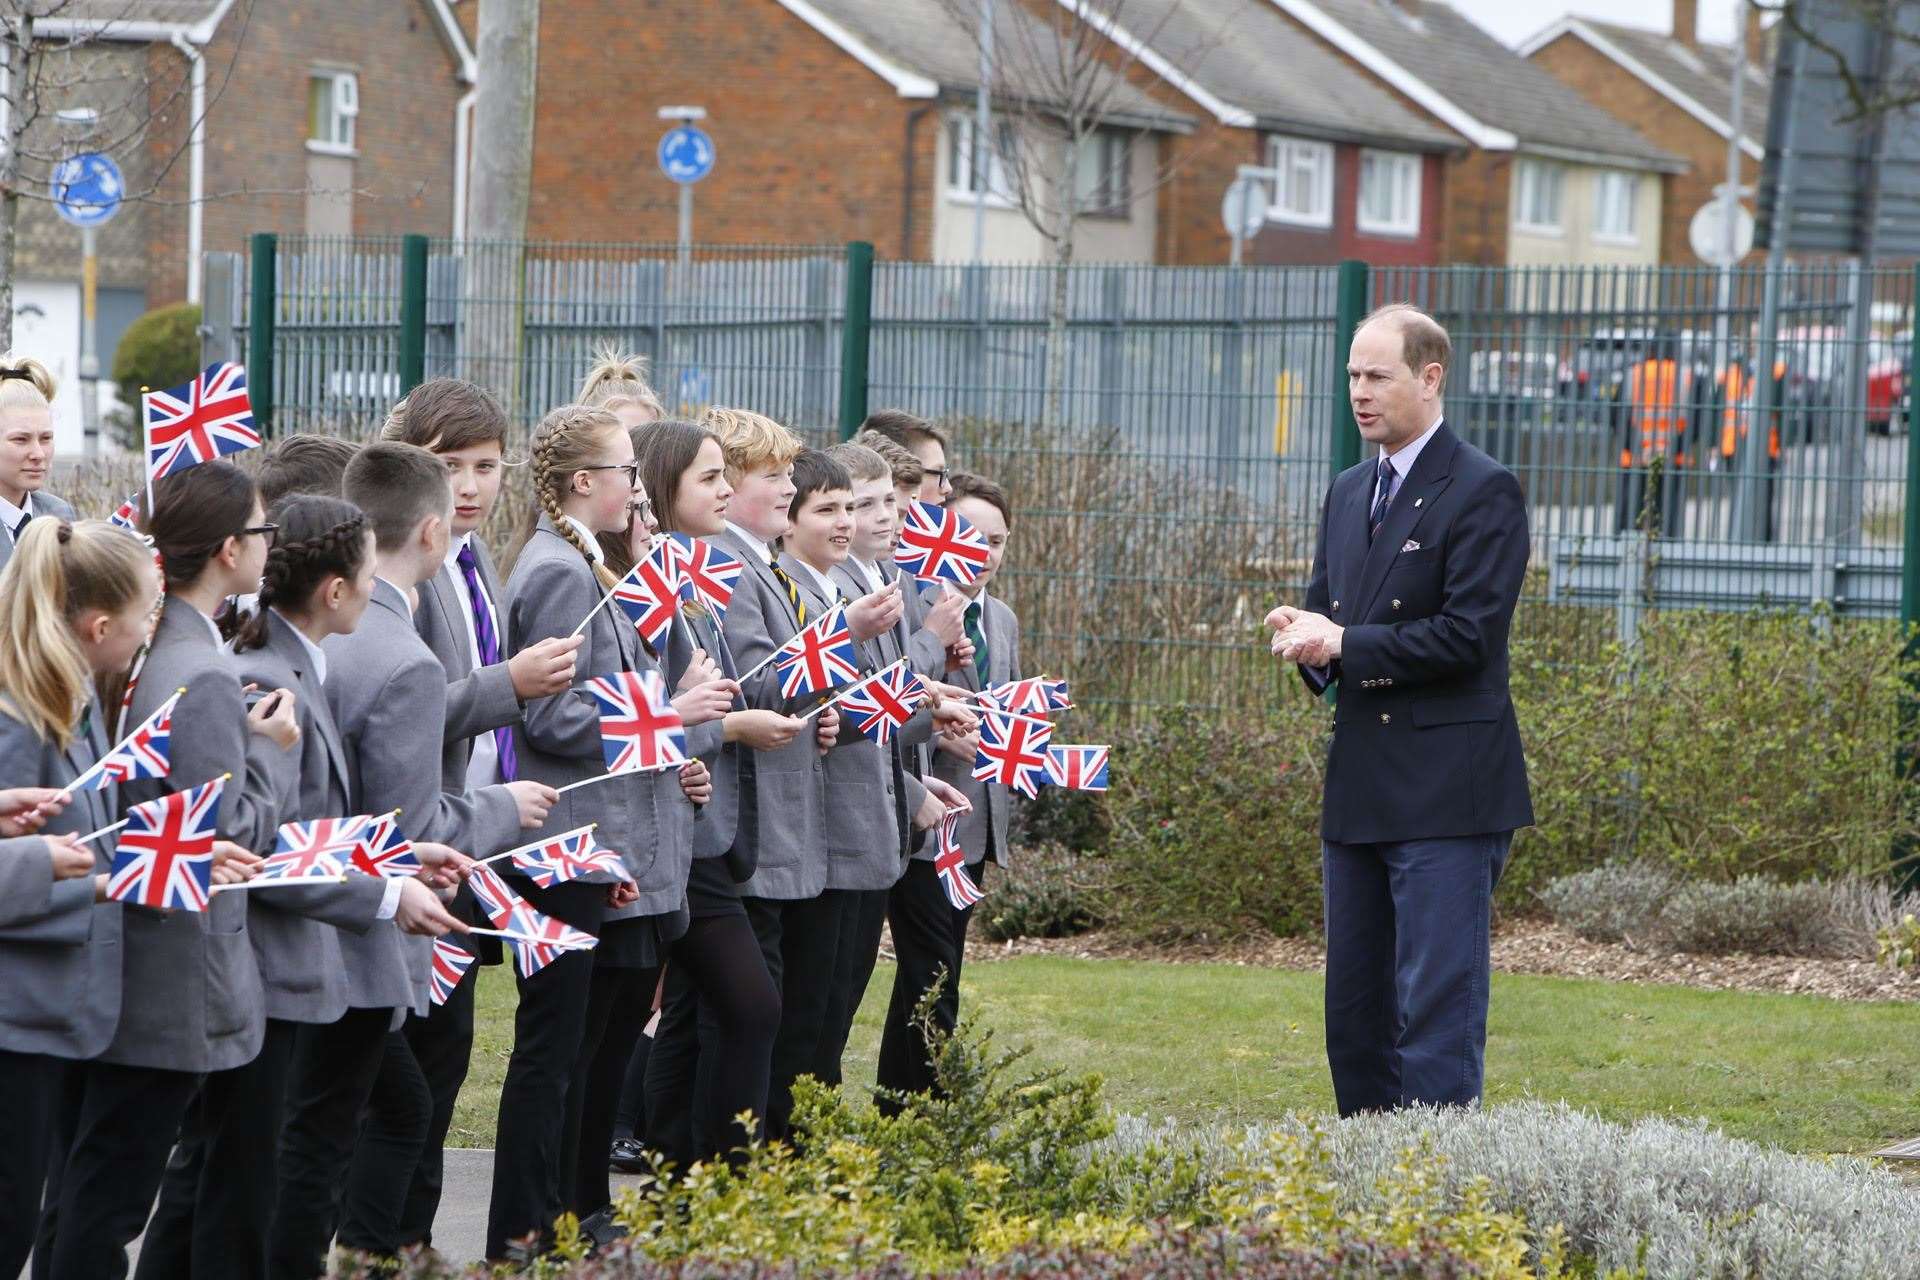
(489,646)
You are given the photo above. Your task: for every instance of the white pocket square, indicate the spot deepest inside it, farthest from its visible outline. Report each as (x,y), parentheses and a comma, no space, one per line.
(1409,545)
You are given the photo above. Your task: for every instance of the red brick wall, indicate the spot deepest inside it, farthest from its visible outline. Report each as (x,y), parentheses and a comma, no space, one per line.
(1475,196)
(1281,244)
(257,125)
(811,144)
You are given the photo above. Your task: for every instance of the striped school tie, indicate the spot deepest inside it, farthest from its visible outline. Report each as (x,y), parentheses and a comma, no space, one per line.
(488,643)
(793,592)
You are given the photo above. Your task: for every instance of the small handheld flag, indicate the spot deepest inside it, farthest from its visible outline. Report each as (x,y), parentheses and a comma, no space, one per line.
(450,965)
(141,754)
(537,938)
(883,702)
(950,864)
(568,856)
(938,544)
(164,857)
(652,591)
(639,729)
(319,849)
(820,658)
(127,514)
(1079,768)
(493,894)
(1012,751)
(1036,695)
(709,571)
(205,419)
(383,851)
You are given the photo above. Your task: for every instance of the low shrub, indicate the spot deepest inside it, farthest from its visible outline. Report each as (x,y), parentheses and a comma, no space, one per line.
(1050,894)
(1647,904)
(160,349)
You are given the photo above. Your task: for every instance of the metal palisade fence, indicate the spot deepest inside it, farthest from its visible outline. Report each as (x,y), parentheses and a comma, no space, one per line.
(1686,438)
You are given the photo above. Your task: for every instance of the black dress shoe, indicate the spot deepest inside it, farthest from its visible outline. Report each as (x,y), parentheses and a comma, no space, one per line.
(629,1155)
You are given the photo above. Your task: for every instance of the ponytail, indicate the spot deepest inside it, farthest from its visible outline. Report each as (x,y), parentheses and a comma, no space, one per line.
(59,570)
(617,379)
(566,440)
(24,383)
(319,538)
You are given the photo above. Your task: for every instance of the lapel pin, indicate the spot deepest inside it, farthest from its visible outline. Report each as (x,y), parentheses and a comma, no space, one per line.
(1418,501)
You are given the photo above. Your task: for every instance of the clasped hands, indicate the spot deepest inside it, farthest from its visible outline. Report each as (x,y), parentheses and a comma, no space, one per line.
(1311,639)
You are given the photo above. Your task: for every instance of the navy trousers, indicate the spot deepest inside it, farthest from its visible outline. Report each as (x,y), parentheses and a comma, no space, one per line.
(1407,968)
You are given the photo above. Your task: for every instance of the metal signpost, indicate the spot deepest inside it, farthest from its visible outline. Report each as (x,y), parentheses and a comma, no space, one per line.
(686,155)
(86,190)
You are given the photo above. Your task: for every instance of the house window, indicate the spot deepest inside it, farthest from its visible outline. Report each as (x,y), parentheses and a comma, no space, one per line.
(1389,193)
(962,181)
(1616,200)
(1303,186)
(1539,198)
(333,105)
(1103,177)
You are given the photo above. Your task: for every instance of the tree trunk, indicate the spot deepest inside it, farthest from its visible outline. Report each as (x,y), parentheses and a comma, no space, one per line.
(10,176)
(500,185)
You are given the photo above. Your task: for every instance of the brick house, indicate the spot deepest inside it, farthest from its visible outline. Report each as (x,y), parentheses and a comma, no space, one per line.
(832,120)
(1676,90)
(325,119)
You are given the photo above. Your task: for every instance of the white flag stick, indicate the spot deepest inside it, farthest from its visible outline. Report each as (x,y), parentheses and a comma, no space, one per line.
(989,709)
(852,688)
(624,773)
(475,931)
(533,844)
(651,548)
(294,883)
(99,764)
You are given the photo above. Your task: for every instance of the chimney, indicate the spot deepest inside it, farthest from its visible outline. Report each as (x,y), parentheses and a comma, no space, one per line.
(1684,25)
(1756,38)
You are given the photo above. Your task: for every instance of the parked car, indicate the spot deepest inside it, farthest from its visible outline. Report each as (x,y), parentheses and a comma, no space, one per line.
(1889,382)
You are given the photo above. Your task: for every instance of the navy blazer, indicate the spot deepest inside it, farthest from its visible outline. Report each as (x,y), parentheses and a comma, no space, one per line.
(1425,744)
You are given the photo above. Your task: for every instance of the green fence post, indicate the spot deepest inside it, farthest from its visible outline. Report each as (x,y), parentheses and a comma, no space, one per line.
(856,336)
(261,315)
(1350,306)
(413,312)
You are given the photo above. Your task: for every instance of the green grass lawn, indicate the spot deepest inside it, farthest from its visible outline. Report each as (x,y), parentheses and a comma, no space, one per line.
(1226,1044)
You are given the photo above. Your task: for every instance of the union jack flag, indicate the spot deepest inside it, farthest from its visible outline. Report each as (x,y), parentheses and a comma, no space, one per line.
(165,854)
(1012,751)
(141,754)
(567,857)
(1079,768)
(382,850)
(320,848)
(205,419)
(708,571)
(651,591)
(1036,695)
(938,544)
(450,965)
(639,729)
(127,514)
(541,938)
(820,658)
(950,864)
(493,894)
(883,702)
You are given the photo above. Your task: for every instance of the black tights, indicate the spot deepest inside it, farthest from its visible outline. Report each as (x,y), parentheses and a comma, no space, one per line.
(712,1054)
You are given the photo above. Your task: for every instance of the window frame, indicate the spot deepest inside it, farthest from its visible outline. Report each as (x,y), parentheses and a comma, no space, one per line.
(959,183)
(342,116)
(1539,169)
(1603,180)
(1282,152)
(1411,163)
(1118,203)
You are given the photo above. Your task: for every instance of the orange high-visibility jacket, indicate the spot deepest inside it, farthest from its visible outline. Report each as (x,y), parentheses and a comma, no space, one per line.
(1656,397)
(1739,410)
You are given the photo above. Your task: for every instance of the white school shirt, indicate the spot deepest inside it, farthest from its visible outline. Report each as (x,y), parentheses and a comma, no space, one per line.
(10,514)
(483,765)
(767,555)
(829,590)
(869,574)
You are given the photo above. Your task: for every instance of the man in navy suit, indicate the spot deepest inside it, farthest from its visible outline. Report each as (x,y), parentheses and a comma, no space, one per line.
(1419,561)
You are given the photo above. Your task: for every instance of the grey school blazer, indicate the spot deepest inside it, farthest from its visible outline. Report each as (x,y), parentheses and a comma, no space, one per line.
(190,987)
(61,952)
(991,801)
(731,764)
(786,837)
(479,699)
(647,819)
(44,504)
(296,932)
(870,796)
(388,696)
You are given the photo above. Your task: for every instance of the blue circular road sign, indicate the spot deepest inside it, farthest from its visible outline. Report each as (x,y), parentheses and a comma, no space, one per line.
(87,188)
(686,154)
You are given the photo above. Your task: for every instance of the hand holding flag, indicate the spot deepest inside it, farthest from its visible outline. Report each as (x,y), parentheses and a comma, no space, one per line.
(164,857)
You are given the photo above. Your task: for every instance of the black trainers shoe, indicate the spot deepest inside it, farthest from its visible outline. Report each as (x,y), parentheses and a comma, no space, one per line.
(628,1155)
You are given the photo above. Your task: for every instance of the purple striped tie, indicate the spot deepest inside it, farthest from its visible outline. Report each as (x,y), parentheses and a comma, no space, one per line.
(489,646)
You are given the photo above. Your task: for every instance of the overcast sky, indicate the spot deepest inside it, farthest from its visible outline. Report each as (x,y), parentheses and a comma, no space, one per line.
(1515,20)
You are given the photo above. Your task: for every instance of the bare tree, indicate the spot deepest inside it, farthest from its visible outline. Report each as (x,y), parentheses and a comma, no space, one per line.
(502,189)
(1892,84)
(1059,82)
(72,76)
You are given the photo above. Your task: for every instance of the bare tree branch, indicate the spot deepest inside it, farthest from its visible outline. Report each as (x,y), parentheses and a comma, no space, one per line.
(1867,96)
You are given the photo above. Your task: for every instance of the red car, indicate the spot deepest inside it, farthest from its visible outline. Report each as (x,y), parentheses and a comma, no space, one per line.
(1889,381)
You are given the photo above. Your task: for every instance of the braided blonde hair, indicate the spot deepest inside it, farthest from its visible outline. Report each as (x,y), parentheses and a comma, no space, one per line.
(566,440)
(618,378)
